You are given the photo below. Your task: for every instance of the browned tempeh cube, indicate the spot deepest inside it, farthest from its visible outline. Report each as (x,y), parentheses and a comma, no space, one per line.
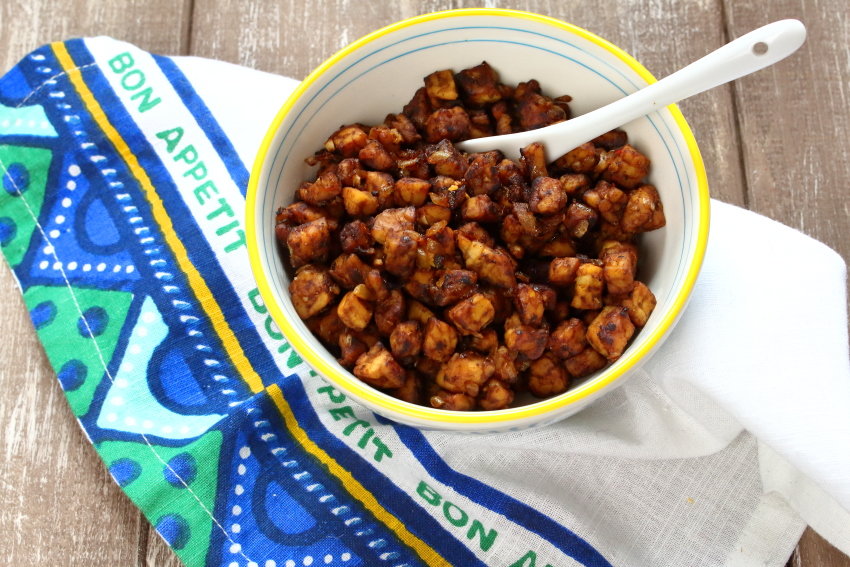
(579,219)
(378,368)
(439,341)
(390,312)
(640,303)
(450,123)
(400,252)
(610,331)
(568,339)
(392,220)
(547,196)
(482,175)
(312,289)
(619,265)
(480,209)
(349,270)
(530,342)
(323,189)
(411,191)
(588,288)
(533,156)
(376,156)
(355,310)
(495,395)
(447,160)
(547,377)
(465,372)
(586,362)
(472,314)
(582,159)
(563,271)
(492,265)
(359,203)
(440,86)
(627,167)
(529,304)
(443,399)
(479,85)
(309,242)
(608,199)
(453,285)
(429,214)
(356,237)
(347,141)
(406,340)
(644,210)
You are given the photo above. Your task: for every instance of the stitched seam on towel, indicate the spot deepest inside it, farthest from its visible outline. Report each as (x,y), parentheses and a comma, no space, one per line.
(197,283)
(97,348)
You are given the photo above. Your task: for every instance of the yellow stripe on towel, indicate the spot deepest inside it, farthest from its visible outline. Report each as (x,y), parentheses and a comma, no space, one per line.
(428,554)
(196,281)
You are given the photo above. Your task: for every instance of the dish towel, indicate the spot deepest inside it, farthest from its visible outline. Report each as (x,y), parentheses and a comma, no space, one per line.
(124,175)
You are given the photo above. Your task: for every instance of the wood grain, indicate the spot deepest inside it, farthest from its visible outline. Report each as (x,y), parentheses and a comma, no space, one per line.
(762,142)
(796,159)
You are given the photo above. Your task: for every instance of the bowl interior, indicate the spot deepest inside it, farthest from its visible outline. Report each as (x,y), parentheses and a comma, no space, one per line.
(380,75)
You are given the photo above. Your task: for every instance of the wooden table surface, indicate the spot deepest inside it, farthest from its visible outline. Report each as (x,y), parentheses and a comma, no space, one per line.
(775,143)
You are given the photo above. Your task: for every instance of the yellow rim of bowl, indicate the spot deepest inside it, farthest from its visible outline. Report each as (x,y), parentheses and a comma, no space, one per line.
(434,415)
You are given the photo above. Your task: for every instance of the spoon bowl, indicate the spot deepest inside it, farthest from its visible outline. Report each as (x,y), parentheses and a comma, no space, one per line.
(749,53)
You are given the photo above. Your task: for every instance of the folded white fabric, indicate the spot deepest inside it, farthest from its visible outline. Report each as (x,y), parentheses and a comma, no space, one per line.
(729,440)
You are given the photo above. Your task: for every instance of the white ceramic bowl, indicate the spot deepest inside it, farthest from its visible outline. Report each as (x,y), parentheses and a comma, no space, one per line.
(379,73)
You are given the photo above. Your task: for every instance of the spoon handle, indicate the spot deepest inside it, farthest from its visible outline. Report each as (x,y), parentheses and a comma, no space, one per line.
(747,54)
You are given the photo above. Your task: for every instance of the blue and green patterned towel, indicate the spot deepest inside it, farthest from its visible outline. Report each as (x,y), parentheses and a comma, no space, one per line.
(124,176)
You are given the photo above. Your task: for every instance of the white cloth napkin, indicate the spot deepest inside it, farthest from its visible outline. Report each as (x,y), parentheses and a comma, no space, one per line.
(735,435)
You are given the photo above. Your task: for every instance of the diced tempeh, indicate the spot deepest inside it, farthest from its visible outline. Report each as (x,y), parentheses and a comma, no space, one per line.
(465,372)
(312,289)
(527,341)
(439,341)
(392,220)
(610,331)
(447,123)
(309,242)
(626,167)
(640,304)
(479,85)
(390,312)
(400,252)
(584,363)
(406,340)
(563,271)
(588,289)
(547,377)
(547,196)
(495,395)
(411,191)
(359,203)
(347,141)
(492,265)
(472,314)
(619,265)
(568,339)
(378,368)
(354,310)
(644,210)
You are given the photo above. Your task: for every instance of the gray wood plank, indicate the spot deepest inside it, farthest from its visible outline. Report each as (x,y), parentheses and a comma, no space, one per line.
(793,120)
(292,38)
(59,506)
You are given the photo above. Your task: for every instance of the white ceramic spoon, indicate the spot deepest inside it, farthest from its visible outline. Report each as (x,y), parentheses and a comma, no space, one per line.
(747,54)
